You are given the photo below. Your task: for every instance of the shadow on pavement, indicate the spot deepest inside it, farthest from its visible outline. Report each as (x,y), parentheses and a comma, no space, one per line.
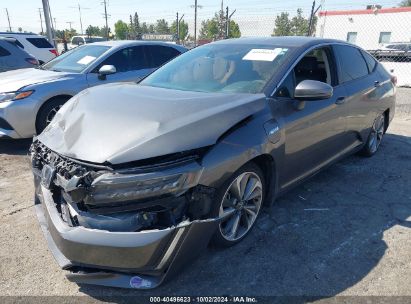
(15,146)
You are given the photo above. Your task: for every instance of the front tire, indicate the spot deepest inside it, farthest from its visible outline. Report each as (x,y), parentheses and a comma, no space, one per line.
(375,137)
(47,112)
(238,202)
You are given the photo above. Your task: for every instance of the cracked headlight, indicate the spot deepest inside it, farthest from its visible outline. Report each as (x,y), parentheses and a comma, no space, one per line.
(118,187)
(8,96)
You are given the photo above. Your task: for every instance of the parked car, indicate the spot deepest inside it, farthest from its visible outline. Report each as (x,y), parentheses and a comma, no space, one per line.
(80,40)
(12,57)
(34,44)
(31,97)
(394,52)
(133,180)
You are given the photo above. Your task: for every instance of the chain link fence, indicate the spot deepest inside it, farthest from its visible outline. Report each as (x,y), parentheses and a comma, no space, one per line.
(384,32)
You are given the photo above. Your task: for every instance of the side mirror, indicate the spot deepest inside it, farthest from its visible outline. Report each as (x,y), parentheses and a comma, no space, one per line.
(106,70)
(313,90)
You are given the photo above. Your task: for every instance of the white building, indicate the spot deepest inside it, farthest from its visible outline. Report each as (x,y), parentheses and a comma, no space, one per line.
(367,28)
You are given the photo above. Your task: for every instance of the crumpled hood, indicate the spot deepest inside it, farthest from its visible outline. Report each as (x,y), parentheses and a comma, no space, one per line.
(120,123)
(14,80)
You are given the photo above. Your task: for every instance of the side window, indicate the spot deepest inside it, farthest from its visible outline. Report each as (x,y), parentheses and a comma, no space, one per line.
(128,59)
(138,58)
(18,43)
(315,65)
(4,52)
(119,59)
(41,43)
(351,63)
(160,54)
(371,63)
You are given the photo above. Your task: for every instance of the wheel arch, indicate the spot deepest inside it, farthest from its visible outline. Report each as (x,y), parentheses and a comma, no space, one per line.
(51,99)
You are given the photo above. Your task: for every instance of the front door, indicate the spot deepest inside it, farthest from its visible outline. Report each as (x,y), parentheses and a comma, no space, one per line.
(314,129)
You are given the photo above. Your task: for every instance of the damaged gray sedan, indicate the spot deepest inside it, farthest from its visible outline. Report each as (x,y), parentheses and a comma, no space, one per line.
(134,180)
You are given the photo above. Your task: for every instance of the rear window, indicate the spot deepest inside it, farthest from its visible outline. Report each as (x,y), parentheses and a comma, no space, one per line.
(371,63)
(352,64)
(40,43)
(4,52)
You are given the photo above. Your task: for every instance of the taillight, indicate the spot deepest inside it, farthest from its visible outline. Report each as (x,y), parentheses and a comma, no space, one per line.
(394,79)
(32,61)
(54,52)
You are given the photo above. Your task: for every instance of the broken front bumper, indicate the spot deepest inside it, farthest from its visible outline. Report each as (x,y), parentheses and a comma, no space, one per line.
(120,259)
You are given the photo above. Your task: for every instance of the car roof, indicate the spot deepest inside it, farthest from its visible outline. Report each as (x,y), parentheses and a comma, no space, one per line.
(125,43)
(287,41)
(20,34)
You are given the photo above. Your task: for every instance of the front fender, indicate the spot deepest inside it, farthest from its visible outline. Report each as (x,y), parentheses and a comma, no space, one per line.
(242,144)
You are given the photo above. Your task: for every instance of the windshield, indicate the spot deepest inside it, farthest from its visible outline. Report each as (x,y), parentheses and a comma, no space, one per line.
(76,60)
(221,68)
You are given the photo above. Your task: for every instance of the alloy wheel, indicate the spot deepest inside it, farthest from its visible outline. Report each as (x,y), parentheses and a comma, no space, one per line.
(52,113)
(240,206)
(377,132)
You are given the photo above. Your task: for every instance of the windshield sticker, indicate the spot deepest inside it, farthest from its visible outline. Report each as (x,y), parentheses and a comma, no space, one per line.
(264,54)
(86,60)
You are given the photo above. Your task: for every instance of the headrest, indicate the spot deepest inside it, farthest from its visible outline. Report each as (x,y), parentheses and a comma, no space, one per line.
(308,64)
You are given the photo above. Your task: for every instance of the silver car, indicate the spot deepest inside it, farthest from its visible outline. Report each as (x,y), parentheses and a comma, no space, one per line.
(29,98)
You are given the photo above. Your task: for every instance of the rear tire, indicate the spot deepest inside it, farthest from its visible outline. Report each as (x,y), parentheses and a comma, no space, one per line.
(375,137)
(239,202)
(48,111)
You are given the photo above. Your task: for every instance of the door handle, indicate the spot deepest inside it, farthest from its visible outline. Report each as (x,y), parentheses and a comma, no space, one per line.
(377,84)
(340,100)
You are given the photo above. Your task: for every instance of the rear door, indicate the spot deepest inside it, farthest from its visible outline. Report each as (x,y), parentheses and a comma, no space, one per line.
(131,64)
(357,74)
(315,129)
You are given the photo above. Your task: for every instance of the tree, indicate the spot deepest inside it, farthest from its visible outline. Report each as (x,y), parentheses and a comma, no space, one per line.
(215,28)
(405,3)
(183,29)
(20,29)
(282,25)
(297,26)
(93,31)
(162,27)
(103,31)
(136,25)
(121,29)
(234,30)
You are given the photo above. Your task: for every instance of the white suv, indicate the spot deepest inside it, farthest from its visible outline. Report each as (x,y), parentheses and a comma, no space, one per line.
(34,44)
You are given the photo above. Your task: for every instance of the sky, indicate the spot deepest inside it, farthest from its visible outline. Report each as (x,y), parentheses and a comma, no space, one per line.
(255,17)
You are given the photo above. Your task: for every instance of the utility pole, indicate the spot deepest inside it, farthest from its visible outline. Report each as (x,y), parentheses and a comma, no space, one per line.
(179,21)
(195,23)
(8,18)
(178,29)
(105,16)
(228,22)
(70,22)
(79,11)
(311,19)
(55,24)
(41,21)
(47,18)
